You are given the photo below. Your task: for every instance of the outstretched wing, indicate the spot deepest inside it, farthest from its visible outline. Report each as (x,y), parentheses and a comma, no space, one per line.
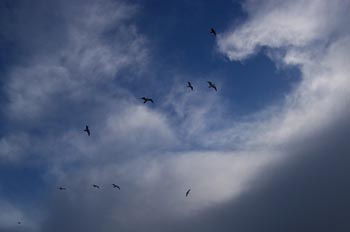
(87,130)
(189,85)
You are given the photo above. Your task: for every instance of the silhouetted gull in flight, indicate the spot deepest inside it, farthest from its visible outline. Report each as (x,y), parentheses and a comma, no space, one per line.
(212,31)
(188,192)
(87,130)
(95,186)
(189,85)
(145,100)
(212,85)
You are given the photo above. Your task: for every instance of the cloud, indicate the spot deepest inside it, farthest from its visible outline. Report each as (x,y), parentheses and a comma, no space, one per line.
(308,191)
(237,169)
(283,24)
(75,66)
(13,146)
(10,215)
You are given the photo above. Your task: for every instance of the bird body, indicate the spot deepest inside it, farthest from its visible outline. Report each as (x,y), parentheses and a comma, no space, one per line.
(87,130)
(145,100)
(188,192)
(189,85)
(62,188)
(95,186)
(212,85)
(116,186)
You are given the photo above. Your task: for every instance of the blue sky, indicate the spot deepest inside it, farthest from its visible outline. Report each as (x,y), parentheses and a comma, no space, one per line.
(181,30)
(279,122)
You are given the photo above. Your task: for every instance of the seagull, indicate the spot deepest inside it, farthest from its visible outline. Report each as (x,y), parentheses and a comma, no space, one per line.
(212,31)
(145,99)
(19,223)
(212,85)
(62,188)
(188,192)
(95,186)
(116,186)
(189,85)
(87,130)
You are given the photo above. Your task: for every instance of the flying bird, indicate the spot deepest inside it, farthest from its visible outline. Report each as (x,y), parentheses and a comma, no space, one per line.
(95,186)
(87,130)
(62,188)
(188,192)
(145,100)
(189,85)
(212,85)
(212,31)
(19,223)
(116,186)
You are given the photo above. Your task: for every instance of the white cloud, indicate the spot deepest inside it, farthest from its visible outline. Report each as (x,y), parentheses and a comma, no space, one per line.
(283,24)
(86,58)
(311,35)
(146,151)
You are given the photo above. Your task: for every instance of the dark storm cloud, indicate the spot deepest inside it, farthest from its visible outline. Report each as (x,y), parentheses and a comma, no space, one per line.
(309,191)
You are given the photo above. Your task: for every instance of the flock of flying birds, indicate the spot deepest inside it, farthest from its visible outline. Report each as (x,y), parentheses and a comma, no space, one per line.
(145,100)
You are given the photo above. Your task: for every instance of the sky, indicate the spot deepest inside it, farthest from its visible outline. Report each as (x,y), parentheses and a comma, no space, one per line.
(269,151)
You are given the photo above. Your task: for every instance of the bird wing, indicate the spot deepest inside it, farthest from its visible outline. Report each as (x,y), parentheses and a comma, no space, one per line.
(189,85)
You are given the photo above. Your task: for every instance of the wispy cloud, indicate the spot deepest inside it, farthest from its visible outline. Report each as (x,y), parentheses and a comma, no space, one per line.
(156,152)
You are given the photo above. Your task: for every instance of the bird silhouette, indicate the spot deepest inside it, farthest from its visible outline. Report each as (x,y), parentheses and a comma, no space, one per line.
(189,85)
(212,31)
(95,186)
(212,85)
(62,188)
(145,100)
(19,223)
(188,192)
(87,130)
(116,186)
